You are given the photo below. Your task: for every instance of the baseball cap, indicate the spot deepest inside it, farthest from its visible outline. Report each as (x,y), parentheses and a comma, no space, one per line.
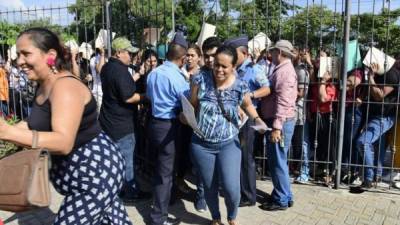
(122,43)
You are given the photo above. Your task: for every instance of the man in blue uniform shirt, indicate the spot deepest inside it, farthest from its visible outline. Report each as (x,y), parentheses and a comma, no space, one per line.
(165,84)
(258,83)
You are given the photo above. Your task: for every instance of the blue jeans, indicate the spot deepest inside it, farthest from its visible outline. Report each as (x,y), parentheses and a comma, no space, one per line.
(352,127)
(375,129)
(219,161)
(304,142)
(277,161)
(126,145)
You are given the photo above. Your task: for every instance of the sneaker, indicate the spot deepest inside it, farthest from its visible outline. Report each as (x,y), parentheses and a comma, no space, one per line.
(380,183)
(200,205)
(357,181)
(301,180)
(396,177)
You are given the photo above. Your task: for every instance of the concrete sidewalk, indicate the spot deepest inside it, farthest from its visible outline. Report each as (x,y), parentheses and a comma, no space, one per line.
(313,205)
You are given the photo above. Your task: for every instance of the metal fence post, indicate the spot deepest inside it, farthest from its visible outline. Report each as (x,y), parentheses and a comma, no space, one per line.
(173,15)
(343,92)
(108,25)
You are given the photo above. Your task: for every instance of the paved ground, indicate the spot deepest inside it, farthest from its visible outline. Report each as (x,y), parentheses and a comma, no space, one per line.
(313,205)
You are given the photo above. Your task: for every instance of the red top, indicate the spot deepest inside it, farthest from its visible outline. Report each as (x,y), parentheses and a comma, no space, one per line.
(332,95)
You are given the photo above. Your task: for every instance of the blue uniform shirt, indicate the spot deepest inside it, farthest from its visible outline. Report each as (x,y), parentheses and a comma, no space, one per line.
(253,75)
(164,87)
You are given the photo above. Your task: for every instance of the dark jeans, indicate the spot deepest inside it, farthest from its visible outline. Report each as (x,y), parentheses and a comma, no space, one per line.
(352,127)
(162,136)
(183,162)
(219,163)
(248,166)
(323,139)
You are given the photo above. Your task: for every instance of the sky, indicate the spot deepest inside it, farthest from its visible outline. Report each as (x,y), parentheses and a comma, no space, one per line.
(363,5)
(61,15)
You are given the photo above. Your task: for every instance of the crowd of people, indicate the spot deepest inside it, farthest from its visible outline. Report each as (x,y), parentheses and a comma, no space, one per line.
(245,102)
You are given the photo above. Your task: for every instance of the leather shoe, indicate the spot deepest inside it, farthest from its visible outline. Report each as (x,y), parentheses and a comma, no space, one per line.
(290,204)
(272,206)
(246,203)
(137,196)
(172,221)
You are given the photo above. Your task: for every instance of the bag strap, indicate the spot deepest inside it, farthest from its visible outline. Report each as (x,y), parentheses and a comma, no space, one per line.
(221,106)
(35,139)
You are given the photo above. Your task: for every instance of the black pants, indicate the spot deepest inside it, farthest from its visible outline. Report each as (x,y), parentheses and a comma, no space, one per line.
(248,167)
(162,136)
(323,137)
(183,162)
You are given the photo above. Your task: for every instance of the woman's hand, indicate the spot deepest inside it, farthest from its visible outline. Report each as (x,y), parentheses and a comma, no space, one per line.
(327,76)
(260,123)
(4,127)
(182,118)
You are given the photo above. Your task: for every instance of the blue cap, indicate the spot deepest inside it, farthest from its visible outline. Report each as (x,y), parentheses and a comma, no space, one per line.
(179,39)
(237,41)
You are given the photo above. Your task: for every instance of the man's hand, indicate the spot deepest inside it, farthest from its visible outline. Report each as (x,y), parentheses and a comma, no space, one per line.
(275,136)
(374,68)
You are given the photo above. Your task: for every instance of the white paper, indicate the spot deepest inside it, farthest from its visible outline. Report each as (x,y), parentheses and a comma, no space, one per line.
(101,40)
(12,52)
(330,64)
(261,127)
(260,42)
(188,112)
(86,50)
(71,44)
(207,30)
(152,35)
(374,55)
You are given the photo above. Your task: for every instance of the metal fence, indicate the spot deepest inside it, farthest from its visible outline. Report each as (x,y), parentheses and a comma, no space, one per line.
(331,129)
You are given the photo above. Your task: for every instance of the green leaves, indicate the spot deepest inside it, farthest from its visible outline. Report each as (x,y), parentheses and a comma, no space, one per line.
(8,148)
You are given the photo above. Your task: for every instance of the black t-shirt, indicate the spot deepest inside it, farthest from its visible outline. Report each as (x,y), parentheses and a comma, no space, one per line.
(391,78)
(116,116)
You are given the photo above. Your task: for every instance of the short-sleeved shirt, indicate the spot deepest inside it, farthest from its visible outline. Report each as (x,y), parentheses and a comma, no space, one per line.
(253,75)
(325,107)
(116,116)
(303,80)
(165,84)
(352,94)
(211,121)
(391,78)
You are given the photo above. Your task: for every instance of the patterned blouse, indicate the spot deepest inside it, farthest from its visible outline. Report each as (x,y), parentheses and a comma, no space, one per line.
(211,121)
